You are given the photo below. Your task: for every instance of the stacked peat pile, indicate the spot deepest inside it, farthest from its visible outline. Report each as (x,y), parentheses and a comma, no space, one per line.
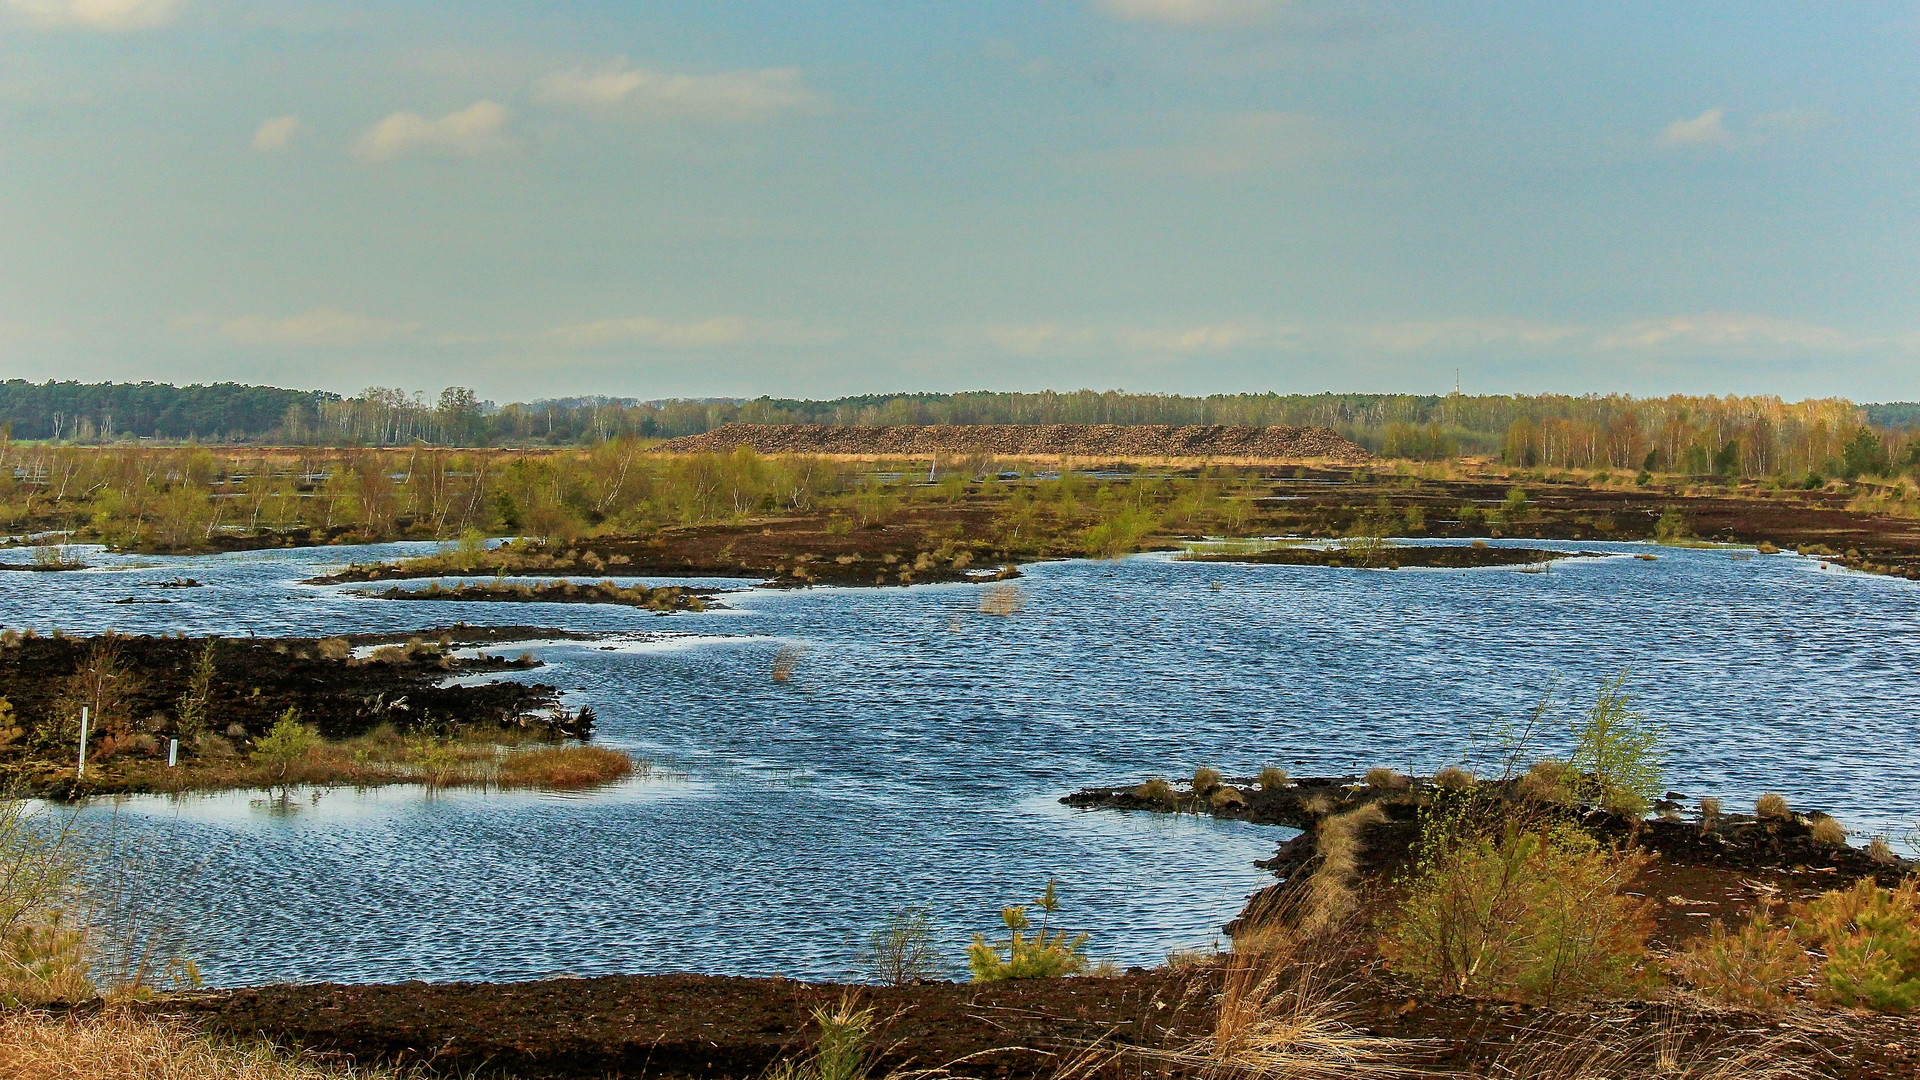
(1012,440)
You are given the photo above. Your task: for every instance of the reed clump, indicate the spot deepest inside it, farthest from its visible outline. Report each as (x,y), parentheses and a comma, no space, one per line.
(564,767)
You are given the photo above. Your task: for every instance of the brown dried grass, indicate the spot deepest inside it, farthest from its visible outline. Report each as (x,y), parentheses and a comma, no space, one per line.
(117,1045)
(564,767)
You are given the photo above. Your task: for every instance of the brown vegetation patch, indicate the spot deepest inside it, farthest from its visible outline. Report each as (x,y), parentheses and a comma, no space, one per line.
(1105,441)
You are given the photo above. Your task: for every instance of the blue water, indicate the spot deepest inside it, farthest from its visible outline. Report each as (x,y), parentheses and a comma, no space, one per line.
(917,753)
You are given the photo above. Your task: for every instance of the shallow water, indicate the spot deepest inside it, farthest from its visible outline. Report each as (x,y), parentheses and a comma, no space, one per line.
(917,753)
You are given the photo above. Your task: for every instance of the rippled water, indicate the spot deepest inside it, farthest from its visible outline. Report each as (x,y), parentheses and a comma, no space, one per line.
(917,754)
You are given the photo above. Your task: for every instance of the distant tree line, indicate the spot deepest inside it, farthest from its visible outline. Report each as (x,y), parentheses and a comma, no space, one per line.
(1728,436)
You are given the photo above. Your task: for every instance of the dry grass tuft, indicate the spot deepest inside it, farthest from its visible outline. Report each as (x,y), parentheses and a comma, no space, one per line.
(1709,814)
(784,660)
(1381,779)
(1602,1052)
(564,767)
(1155,790)
(1272,779)
(119,1046)
(1828,831)
(1880,851)
(1205,780)
(1554,783)
(1318,806)
(1772,807)
(1276,1017)
(1339,847)
(1453,778)
(1224,797)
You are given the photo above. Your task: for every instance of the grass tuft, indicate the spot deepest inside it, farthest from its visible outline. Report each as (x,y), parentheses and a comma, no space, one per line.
(1828,831)
(564,767)
(1453,778)
(1273,779)
(1772,807)
(116,1045)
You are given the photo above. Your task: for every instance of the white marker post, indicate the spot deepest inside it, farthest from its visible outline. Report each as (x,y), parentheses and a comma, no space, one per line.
(173,752)
(83,741)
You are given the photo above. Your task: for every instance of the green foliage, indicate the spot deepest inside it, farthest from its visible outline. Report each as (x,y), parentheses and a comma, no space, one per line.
(1515,506)
(1751,968)
(1871,936)
(1865,455)
(191,719)
(1531,914)
(840,1052)
(1672,526)
(900,950)
(1119,531)
(1040,956)
(1620,748)
(284,746)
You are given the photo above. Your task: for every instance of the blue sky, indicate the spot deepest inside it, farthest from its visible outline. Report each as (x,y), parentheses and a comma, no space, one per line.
(817,198)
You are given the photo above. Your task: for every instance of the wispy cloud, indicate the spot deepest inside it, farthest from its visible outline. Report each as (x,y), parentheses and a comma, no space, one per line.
(719,331)
(1707,129)
(475,131)
(320,326)
(109,15)
(276,134)
(1444,334)
(1188,12)
(728,95)
(1035,339)
(1730,330)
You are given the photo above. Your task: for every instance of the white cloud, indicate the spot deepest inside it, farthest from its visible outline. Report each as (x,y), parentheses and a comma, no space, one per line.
(1728,330)
(322,326)
(1707,129)
(1188,12)
(1445,334)
(108,15)
(276,134)
(725,330)
(476,130)
(728,95)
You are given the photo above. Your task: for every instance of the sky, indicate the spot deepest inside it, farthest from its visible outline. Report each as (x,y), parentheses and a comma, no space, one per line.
(825,197)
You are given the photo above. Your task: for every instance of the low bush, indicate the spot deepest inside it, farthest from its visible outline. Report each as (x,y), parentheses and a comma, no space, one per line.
(1041,956)
(283,747)
(1619,748)
(1871,936)
(1531,914)
(900,950)
(564,767)
(1750,968)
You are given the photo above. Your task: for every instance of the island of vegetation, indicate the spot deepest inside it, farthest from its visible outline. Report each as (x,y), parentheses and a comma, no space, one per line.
(663,600)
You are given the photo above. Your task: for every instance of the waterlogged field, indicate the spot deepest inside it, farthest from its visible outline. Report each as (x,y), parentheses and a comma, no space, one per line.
(915,753)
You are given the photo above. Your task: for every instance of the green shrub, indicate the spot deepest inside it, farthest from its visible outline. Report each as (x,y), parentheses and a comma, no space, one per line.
(1871,937)
(1041,956)
(1529,914)
(900,950)
(1619,747)
(1751,968)
(286,744)
(1672,527)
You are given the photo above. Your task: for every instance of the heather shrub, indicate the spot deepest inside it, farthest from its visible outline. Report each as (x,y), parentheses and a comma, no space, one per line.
(1044,955)
(1528,913)
(1751,968)
(1871,937)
